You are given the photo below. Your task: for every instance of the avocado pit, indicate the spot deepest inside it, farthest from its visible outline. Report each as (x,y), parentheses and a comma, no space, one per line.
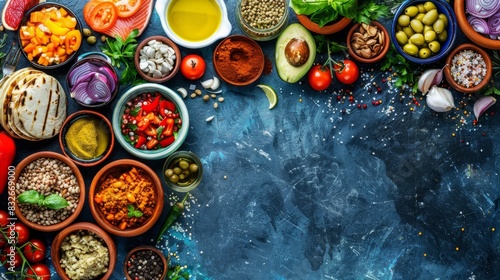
(297,52)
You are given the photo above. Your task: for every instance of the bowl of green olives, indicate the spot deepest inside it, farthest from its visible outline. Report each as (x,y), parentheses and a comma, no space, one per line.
(183,171)
(424,31)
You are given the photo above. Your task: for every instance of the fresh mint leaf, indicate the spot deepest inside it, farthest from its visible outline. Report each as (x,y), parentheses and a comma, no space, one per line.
(132,212)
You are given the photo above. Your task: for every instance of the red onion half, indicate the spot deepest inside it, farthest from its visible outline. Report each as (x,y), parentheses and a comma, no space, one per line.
(482,8)
(92,83)
(478,24)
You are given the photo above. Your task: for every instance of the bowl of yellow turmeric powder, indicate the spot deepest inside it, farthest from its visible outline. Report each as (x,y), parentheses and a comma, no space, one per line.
(87,138)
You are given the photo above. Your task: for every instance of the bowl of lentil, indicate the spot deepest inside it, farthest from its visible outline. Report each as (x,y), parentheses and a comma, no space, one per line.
(87,138)
(183,171)
(145,262)
(150,121)
(50,191)
(469,68)
(238,60)
(83,251)
(157,59)
(126,197)
(262,20)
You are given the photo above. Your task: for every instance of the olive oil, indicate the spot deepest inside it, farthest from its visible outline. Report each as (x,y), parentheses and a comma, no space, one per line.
(194,20)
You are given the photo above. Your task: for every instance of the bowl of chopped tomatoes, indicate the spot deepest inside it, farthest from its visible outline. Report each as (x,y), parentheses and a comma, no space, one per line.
(150,121)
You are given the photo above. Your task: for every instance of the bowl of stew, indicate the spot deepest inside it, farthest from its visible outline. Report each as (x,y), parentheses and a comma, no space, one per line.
(126,197)
(150,121)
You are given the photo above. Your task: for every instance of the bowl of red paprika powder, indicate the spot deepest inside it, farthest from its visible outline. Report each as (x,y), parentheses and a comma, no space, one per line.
(238,60)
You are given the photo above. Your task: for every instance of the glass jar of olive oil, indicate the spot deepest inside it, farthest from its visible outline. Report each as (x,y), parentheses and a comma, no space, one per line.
(262,20)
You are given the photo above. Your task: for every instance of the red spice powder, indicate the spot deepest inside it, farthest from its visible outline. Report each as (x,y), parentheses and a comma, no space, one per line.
(239,60)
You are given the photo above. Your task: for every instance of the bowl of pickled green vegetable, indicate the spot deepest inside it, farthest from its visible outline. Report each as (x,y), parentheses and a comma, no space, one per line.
(424,31)
(183,171)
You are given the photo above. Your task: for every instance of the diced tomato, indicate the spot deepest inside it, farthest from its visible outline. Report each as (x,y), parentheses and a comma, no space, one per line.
(141,140)
(150,107)
(167,141)
(165,104)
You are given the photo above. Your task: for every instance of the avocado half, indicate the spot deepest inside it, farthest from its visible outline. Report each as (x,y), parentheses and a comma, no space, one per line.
(295,52)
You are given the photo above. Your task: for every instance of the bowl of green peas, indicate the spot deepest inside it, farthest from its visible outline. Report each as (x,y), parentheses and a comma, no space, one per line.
(183,171)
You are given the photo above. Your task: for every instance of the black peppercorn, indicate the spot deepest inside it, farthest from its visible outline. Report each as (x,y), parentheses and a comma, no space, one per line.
(145,265)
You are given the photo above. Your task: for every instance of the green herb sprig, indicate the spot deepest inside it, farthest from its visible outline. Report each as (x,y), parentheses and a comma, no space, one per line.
(122,53)
(177,273)
(133,212)
(406,73)
(369,11)
(52,201)
(323,44)
(495,60)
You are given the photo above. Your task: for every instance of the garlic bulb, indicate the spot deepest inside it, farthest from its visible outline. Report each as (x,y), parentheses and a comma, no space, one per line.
(440,99)
(482,104)
(429,78)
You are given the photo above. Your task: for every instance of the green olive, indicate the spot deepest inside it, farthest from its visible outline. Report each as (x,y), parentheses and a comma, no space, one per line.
(421,8)
(87,32)
(427,28)
(401,37)
(438,26)
(408,30)
(419,16)
(193,167)
(182,176)
(177,170)
(430,36)
(435,46)
(430,17)
(444,19)
(183,164)
(399,27)
(416,39)
(404,20)
(442,36)
(417,25)
(424,53)
(91,40)
(411,11)
(428,6)
(174,178)
(410,49)
(169,172)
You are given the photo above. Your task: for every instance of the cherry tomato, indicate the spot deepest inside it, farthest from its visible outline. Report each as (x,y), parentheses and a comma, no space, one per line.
(102,16)
(22,233)
(347,73)
(319,77)
(193,66)
(41,271)
(4,218)
(127,8)
(10,257)
(34,250)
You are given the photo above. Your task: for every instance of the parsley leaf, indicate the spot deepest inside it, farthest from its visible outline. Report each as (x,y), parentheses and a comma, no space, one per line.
(121,53)
(370,11)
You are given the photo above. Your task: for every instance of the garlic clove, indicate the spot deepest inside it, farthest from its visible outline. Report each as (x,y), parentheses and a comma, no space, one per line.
(207,83)
(183,92)
(209,119)
(440,99)
(215,84)
(482,104)
(429,78)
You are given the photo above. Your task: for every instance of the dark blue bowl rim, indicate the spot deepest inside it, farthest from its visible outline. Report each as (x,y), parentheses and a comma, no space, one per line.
(451,29)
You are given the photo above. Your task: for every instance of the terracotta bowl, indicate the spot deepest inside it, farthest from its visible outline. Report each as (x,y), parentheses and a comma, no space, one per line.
(79,179)
(176,60)
(115,169)
(55,251)
(100,121)
(487,60)
(482,40)
(327,29)
(383,50)
(236,52)
(134,251)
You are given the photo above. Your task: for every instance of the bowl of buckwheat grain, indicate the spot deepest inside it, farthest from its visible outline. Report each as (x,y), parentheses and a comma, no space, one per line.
(49,191)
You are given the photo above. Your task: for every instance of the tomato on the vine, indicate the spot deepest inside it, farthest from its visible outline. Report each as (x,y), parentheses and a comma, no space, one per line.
(22,233)
(34,250)
(346,72)
(4,218)
(102,16)
(127,8)
(319,77)
(10,257)
(41,271)
(193,66)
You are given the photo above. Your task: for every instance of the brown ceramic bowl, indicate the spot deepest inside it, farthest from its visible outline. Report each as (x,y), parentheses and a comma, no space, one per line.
(480,39)
(327,29)
(384,45)
(223,52)
(487,60)
(114,170)
(142,54)
(134,252)
(105,135)
(56,255)
(79,180)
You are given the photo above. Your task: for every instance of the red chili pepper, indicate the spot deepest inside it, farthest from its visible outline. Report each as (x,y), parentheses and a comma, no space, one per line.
(165,104)
(141,140)
(7,154)
(150,107)
(169,127)
(143,124)
(167,141)
(151,144)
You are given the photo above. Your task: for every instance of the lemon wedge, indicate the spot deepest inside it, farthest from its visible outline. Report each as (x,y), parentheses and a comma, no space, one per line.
(271,95)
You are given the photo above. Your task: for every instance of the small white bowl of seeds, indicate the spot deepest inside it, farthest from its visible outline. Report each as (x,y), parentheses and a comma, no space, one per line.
(49,191)
(157,59)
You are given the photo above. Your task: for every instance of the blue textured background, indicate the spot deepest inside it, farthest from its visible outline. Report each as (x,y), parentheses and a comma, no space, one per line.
(319,189)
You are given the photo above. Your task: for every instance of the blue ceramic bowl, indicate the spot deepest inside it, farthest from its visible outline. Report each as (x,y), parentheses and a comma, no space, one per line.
(443,8)
(168,94)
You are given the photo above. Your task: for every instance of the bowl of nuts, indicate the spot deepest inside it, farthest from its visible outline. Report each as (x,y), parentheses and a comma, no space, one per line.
(183,171)
(126,197)
(145,262)
(157,59)
(368,43)
(49,191)
(83,249)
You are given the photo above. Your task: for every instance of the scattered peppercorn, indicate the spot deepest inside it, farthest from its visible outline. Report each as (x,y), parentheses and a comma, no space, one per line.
(145,265)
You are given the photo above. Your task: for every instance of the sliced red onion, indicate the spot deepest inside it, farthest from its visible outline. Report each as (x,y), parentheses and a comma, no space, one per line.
(81,73)
(99,88)
(112,78)
(494,24)
(482,8)
(79,92)
(478,24)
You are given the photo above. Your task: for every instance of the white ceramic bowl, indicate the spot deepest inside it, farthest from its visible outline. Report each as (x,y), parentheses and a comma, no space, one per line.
(223,30)
(168,94)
